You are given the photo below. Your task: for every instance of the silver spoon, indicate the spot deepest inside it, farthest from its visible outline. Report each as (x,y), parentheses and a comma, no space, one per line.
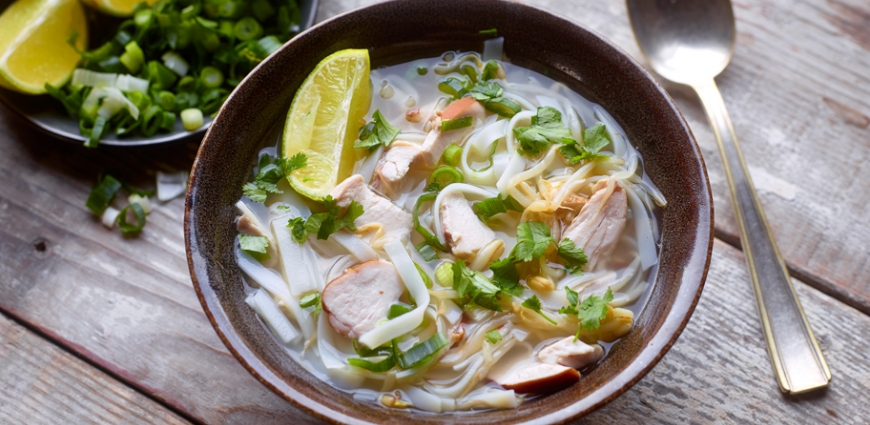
(691,42)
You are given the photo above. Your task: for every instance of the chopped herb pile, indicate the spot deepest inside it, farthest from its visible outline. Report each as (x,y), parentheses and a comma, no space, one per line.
(326,223)
(547,128)
(533,241)
(175,57)
(376,133)
(594,139)
(477,288)
(590,312)
(270,171)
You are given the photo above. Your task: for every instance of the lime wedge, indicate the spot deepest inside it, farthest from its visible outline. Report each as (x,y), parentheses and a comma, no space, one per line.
(324,121)
(33,43)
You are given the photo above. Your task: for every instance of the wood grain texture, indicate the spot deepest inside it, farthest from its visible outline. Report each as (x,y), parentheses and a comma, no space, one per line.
(43,384)
(797,90)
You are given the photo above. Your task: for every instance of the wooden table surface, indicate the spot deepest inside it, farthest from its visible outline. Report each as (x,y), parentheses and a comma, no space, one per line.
(97,328)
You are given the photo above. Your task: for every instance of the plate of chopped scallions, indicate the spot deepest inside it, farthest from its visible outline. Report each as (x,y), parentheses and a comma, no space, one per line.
(156,75)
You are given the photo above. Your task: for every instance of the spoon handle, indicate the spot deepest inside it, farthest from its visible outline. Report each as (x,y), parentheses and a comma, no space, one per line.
(797,359)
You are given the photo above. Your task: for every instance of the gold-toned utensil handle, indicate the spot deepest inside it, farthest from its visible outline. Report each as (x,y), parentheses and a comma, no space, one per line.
(797,359)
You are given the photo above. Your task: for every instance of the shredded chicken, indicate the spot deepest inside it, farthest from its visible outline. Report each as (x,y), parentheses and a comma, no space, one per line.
(376,209)
(599,225)
(463,231)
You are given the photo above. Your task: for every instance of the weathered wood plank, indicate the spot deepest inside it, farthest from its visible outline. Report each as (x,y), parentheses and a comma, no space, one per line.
(43,384)
(719,369)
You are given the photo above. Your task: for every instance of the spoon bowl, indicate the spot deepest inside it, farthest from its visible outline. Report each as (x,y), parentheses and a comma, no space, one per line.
(687,42)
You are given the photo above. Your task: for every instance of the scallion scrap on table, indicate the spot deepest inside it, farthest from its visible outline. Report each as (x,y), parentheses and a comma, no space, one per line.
(173,59)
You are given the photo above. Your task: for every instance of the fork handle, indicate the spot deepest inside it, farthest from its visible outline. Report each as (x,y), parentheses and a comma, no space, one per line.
(797,359)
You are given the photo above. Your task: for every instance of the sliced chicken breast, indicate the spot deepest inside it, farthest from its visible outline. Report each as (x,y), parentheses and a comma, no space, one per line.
(599,225)
(567,352)
(358,300)
(463,230)
(394,165)
(250,224)
(540,378)
(376,208)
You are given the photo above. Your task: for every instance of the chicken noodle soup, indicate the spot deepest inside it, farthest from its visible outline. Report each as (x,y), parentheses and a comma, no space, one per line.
(496,235)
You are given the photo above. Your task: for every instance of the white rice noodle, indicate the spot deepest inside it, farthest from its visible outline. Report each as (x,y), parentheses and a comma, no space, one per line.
(245,210)
(535,171)
(407,322)
(368,165)
(355,246)
(481,143)
(273,283)
(265,307)
(646,243)
(332,357)
(631,295)
(298,261)
(340,266)
(524,102)
(462,188)
(572,120)
(414,137)
(620,146)
(426,401)
(489,398)
(450,311)
(492,49)
(573,183)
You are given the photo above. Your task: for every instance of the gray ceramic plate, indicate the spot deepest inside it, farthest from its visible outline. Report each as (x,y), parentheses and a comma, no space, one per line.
(399,31)
(48,115)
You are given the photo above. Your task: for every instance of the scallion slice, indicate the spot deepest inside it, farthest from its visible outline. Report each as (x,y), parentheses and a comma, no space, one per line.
(127,228)
(456,124)
(192,119)
(102,194)
(422,352)
(247,29)
(430,239)
(452,155)
(503,106)
(445,175)
(377,367)
(426,279)
(426,251)
(211,77)
(397,310)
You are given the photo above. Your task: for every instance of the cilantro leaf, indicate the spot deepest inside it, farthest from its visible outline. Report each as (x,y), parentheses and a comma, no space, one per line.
(546,128)
(495,205)
(571,308)
(505,275)
(255,246)
(326,223)
(486,90)
(533,238)
(377,132)
(592,311)
(574,256)
(534,304)
(490,70)
(493,336)
(270,171)
(595,138)
(475,286)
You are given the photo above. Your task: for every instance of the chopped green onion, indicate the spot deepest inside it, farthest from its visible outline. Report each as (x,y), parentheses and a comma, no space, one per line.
(143,18)
(96,132)
(503,106)
(422,352)
(377,367)
(168,122)
(211,77)
(423,231)
(152,119)
(160,76)
(452,155)
(187,83)
(247,29)
(176,63)
(211,41)
(166,100)
(312,300)
(127,228)
(491,31)
(192,119)
(469,70)
(262,9)
(456,124)
(445,176)
(490,70)
(397,310)
(493,336)
(454,86)
(269,44)
(422,70)
(444,274)
(427,252)
(230,9)
(426,279)
(102,194)
(133,57)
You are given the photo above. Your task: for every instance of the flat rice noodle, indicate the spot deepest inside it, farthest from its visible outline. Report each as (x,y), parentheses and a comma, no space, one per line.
(396,327)
(298,261)
(266,308)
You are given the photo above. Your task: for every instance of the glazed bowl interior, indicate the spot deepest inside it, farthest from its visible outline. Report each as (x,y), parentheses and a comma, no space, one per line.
(400,31)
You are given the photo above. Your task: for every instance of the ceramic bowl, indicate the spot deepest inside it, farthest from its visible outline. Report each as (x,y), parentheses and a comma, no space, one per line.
(399,31)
